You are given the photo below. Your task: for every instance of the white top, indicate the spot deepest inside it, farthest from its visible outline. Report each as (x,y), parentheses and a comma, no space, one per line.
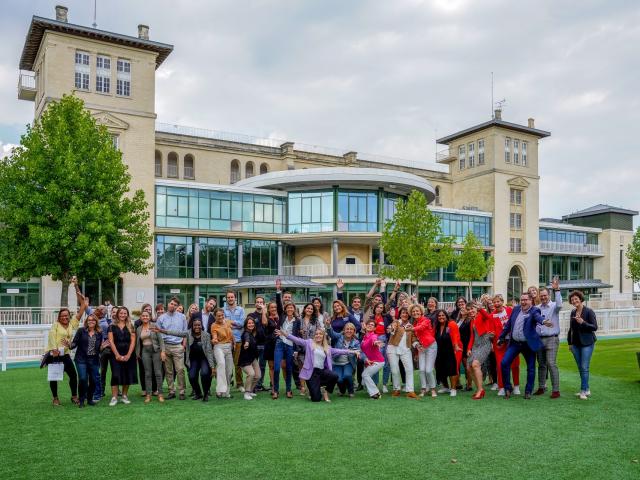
(319,356)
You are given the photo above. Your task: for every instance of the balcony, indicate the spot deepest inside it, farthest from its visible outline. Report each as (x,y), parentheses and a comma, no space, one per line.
(324,270)
(27,86)
(445,156)
(570,248)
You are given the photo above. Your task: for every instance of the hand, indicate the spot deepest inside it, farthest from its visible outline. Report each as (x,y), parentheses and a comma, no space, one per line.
(357,354)
(408,327)
(279,333)
(55,352)
(278,284)
(126,357)
(397,285)
(368,363)
(500,342)
(383,283)
(154,328)
(74,281)
(420,348)
(579,320)
(65,342)
(163,356)
(547,323)
(378,281)
(555,284)
(295,355)
(456,348)
(340,284)
(414,298)
(378,344)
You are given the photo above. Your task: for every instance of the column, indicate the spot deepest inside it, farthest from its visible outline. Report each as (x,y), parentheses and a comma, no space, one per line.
(196,294)
(441,287)
(280,263)
(196,258)
(334,257)
(240,250)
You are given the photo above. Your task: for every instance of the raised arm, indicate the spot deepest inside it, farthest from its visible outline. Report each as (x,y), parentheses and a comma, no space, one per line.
(279,297)
(296,340)
(339,287)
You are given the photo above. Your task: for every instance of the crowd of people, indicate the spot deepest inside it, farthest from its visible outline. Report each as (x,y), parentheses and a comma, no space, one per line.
(354,348)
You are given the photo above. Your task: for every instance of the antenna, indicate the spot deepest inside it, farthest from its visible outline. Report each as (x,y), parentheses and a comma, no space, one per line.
(95,10)
(492,114)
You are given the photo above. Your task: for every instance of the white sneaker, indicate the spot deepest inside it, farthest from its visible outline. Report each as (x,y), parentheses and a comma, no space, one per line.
(444,390)
(453,392)
(516,390)
(113,402)
(583,396)
(241,389)
(125,400)
(501,392)
(587,393)
(494,386)
(254,395)
(247,396)
(385,389)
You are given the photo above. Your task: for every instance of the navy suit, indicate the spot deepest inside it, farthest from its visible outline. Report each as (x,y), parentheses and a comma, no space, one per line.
(528,348)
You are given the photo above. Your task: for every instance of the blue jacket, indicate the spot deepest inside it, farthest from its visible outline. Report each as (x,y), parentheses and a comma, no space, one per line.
(532,318)
(338,340)
(81,344)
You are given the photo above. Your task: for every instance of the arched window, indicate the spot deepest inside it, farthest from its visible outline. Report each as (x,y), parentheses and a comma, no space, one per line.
(189,166)
(235,171)
(158,163)
(264,168)
(172,165)
(248,170)
(437,199)
(514,287)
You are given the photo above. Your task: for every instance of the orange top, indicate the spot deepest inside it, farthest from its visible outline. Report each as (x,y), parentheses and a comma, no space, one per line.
(222,331)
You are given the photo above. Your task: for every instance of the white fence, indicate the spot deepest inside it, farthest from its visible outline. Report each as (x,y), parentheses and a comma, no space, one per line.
(28,316)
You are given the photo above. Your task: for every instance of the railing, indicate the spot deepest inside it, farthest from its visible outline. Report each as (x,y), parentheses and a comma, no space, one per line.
(359,269)
(28,316)
(317,270)
(610,321)
(23,343)
(443,154)
(613,300)
(562,247)
(27,81)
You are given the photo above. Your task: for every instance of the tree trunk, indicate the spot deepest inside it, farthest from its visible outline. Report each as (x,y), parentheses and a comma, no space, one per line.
(470,291)
(417,292)
(64,295)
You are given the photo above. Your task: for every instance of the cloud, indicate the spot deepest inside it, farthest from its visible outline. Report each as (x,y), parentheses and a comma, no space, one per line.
(5,149)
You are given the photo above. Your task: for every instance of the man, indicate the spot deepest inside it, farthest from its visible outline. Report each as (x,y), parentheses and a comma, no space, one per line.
(206,315)
(521,329)
(173,322)
(235,313)
(547,355)
(260,339)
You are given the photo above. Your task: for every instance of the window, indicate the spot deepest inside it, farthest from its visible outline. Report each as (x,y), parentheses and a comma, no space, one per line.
(357,211)
(389,204)
(515,221)
(82,70)
(259,257)
(516,196)
(218,258)
(115,141)
(158,163)
(507,150)
(235,171)
(515,245)
(310,212)
(516,148)
(461,156)
(189,164)
(174,257)
(472,154)
(457,225)
(264,168)
(103,74)
(123,85)
(172,165)
(248,170)
(350,260)
(524,154)
(480,152)
(437,199)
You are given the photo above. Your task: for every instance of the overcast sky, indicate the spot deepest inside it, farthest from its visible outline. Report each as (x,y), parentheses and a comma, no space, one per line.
(386,77)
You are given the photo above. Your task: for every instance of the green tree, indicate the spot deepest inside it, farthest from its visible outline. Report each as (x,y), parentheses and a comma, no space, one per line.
(65,207)
(633,257)
(413,242)
(471,262)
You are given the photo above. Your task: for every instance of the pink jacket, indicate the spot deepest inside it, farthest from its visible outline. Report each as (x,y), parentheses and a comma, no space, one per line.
(372,352)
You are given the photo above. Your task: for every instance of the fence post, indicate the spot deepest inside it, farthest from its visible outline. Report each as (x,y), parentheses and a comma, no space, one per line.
(5,348)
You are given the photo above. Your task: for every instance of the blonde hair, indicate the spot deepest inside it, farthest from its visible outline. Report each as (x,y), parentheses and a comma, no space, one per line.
(498,296)
(345,310)
(97,328)
(325,345)
(127,321)
(191,306)
(414,306)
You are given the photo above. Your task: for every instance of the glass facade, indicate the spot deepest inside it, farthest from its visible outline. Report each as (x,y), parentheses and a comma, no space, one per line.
(178,207)
(185,293)
(457,225)
(389,202)
(218,258)
(566,267)
(311,212)
(19,294)
(565,236)
(174,256)
(357,211)
(259,257)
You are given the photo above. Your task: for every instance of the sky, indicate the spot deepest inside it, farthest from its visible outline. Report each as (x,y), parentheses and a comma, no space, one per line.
(388,77)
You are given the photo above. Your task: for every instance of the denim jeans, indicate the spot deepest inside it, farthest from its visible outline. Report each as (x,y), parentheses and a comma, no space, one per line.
(583,360)
(345,377)
(282,351)
(200,366)
(87,373)
(263,364)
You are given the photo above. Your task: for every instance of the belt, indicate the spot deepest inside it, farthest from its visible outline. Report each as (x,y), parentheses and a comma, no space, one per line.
(549,336)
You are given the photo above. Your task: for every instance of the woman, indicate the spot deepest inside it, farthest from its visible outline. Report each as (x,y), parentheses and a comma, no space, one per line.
(582,339)
(535,294)
(317,369)
(193,309)
(463,321)
(482,333)
(461,303)
(248,359)
(284,350)
(87,342)
(427,350)
(432,308)
(269,322)
(319,308)
(449,353)
(305,327)
(341,317)
(344,365)
(401,340)
(199,360)
(149,348)
(58,344)
(374,360)
(383,323)
(141,373)
(122,339)
(222,339)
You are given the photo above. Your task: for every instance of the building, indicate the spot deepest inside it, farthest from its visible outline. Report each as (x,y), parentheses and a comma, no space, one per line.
(238,210)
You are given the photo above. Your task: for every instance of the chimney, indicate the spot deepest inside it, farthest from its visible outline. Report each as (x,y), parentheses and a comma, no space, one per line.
(498,114)
(531,123)
(143,32)
(61,13)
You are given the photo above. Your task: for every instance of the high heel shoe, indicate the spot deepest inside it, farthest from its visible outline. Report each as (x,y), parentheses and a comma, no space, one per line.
(479,395)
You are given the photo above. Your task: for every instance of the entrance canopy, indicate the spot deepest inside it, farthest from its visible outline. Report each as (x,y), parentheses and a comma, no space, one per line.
(269,281)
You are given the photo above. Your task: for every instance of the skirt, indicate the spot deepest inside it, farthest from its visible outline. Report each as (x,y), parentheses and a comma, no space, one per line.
(124,373)
(481,349)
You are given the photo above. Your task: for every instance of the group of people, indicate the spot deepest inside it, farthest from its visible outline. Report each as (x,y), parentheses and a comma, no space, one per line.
(356,347)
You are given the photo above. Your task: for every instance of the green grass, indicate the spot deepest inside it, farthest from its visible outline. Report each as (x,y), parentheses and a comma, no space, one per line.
(358,438)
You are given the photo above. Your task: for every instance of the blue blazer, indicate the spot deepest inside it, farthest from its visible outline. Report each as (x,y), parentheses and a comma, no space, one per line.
(531,319)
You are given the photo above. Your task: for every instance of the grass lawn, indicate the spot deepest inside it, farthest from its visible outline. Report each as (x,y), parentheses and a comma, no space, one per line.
(359,438)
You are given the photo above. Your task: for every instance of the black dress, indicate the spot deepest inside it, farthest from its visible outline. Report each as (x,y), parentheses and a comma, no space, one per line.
(446,365)
(122,373)
(269,339)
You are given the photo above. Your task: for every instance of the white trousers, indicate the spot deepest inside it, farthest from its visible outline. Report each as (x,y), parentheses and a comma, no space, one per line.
(394,362)
(368,372)
(426,363)
(224,367)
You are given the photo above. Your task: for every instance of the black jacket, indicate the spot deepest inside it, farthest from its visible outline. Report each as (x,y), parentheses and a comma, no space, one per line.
(81,343)
(583,334)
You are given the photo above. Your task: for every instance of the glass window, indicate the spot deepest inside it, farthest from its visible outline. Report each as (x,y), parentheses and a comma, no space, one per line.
(481,152)
(471,148)
(457,225)
(461,157)
(174,257)
(507,150)
(516,152)
(310,211)
(259,257)
(82,70)
(103,74)
(515,221)
(218,258)
(515,196)
(524,154)
(123,84)
(357,211)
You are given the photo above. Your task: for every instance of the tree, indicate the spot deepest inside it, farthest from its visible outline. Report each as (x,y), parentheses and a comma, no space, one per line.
(65,207)
(471,262)
(633,257)
(413,242)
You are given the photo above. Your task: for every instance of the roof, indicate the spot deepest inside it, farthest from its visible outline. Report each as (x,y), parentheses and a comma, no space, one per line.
(589,283)
(40,25)
(599,209)
(269,281)
(494,122)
